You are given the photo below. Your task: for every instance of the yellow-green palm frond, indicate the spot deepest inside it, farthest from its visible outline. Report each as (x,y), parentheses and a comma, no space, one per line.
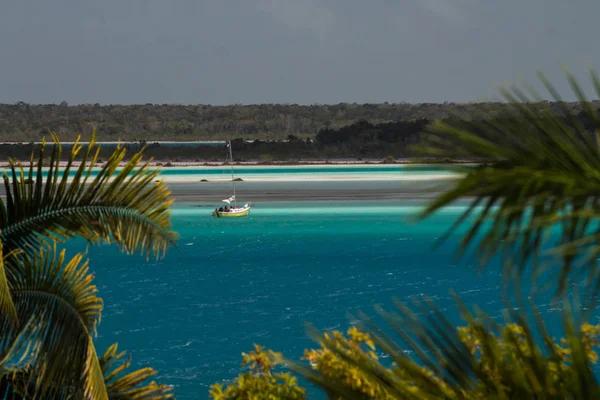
(50,273)
(62,291)
(127,207)
(484,360)
(131,385)
(543,172)
(7,306)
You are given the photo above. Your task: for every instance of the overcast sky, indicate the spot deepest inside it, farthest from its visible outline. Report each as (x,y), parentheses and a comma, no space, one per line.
(287,51)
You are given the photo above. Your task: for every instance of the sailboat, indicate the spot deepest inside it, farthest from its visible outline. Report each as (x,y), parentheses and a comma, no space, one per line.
(231,211)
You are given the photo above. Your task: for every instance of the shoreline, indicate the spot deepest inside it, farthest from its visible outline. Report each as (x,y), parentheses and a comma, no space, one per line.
(211,193)
(299,179)
(294,179)
(307,163)
(275,180)
(267,191)
(195,173)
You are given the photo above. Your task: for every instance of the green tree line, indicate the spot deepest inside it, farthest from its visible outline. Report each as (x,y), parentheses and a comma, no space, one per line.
(29,122)
(382,142)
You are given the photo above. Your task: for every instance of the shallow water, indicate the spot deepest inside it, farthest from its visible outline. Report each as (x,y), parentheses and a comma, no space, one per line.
(296,171)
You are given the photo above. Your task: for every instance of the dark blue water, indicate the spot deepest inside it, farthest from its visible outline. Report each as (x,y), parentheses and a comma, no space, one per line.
(233,283)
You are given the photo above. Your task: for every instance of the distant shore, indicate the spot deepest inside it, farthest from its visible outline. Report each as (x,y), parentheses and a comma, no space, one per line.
(197,187)
(210,194)
(320,163)
(197,177)
(404,178)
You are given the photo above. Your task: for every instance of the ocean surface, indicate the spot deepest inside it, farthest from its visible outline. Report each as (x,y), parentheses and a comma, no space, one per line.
(232,283)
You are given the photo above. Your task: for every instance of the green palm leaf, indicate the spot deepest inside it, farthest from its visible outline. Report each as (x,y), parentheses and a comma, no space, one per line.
(128,207)
(65,362)
(130,386)
(544,173)
(7,306)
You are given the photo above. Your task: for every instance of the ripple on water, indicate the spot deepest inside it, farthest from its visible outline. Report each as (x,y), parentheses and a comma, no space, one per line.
(259,280)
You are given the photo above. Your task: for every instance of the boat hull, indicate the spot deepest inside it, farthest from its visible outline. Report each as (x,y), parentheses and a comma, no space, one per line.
(232,214)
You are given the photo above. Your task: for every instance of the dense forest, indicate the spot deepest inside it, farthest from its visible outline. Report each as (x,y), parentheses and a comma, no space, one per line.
(263,133)
(28,122)
(383,142)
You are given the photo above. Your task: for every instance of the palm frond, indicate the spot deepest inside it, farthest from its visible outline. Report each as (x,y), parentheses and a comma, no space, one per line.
(65,361)
(543,172)
(7,305)
(483,360)
(18,353)
(127,207)
(132,385)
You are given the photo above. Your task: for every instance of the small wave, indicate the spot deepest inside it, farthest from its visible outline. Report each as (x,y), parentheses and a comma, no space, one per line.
(187,344)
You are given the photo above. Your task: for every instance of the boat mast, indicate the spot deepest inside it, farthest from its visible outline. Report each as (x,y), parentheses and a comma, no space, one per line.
(232,177)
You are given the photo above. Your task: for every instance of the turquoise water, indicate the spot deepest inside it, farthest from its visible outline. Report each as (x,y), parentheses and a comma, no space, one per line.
(242,171)
(353,169)
(232,283)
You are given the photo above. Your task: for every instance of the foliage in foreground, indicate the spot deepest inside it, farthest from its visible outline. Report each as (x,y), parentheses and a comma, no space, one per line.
(49,307)
(260,382)
(131,385)
(482,360)
(544,177)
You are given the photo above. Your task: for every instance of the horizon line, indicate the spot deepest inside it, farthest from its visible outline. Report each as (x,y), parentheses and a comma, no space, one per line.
(286,104)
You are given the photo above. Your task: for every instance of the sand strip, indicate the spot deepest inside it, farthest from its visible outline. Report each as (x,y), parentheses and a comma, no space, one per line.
(398,177)
(214,192)
(265,191)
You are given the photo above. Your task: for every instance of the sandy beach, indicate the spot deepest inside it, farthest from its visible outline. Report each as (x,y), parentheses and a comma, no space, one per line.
(213,192)
(192,190)
(171,179)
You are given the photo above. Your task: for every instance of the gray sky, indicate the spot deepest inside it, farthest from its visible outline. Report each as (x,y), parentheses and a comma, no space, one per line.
(287,51)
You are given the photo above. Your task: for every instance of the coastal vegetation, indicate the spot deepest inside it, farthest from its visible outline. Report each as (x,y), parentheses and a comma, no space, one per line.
(50,307)
(383,142)
(544,177)
(24,122)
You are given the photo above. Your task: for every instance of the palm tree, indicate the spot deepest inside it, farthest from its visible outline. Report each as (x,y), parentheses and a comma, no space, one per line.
(49,307)
(541,173)
(544,174)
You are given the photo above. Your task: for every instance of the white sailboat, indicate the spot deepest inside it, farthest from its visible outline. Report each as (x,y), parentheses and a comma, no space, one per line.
(231,211)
